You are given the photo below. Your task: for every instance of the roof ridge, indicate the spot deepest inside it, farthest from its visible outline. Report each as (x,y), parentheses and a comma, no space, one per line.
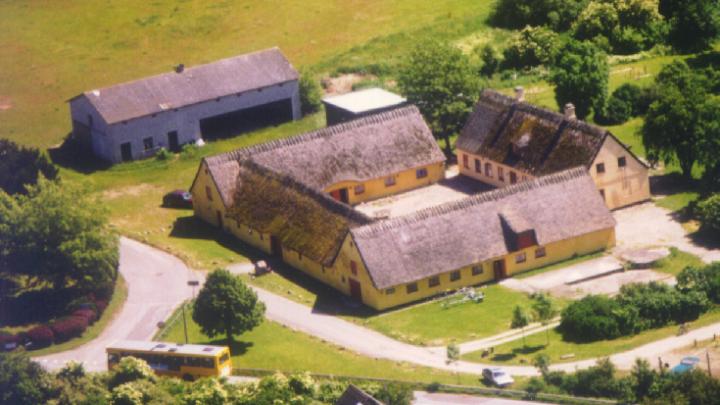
(186,69)
(330,131)
(323,199)
(543,112)
(489,196)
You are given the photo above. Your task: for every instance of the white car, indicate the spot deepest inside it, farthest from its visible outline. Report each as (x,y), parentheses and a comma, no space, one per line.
(497,377)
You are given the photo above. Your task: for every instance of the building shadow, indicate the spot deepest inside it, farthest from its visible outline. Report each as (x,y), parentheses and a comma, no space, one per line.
(70,154)
(671,183)
(465,184)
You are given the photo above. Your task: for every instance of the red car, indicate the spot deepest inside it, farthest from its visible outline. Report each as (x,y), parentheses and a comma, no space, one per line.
(177,199)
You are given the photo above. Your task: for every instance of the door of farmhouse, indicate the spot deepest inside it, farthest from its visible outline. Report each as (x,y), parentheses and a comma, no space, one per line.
(355,290)
(499,269)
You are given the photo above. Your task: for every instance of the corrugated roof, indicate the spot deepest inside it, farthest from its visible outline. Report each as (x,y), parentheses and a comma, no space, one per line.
(458,234)
(365,100)
(530,138)
(193,85)
(355,396)
(367,148)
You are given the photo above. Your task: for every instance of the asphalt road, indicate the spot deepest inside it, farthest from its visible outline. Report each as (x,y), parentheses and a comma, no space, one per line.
(157,284)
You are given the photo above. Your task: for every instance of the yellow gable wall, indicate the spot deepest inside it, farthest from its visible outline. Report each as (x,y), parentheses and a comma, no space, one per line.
(204,207)
(492,177)
(621,185)
(404,181)
(399,295)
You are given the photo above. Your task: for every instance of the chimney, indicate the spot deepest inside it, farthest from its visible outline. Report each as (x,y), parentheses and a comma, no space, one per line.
(179,68)
(519,93)
(570,111)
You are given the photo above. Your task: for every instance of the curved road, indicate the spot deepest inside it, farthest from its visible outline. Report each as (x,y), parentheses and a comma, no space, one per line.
(157,284)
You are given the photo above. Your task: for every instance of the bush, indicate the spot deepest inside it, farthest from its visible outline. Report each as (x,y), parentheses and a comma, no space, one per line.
(67,328)
(188,151)
(709,210)
(100,305)
(557,14)
(40,336)
(7,340)
(596,317)
(616,112)
(532,46)
(163,154)
(489,60)
(88,314)
(310,94)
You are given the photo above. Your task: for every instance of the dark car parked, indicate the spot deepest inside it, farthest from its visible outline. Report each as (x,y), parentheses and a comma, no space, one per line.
(177,199)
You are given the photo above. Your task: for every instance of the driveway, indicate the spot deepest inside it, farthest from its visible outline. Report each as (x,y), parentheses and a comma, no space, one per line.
(157,284)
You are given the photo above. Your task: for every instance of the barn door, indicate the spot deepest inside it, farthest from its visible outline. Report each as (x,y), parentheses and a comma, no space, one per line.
(355,289)
(126,151)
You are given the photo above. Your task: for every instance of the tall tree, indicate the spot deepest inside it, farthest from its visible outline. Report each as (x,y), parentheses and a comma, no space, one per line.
(23,381)
(439,79)
(580,76)
(226,305)
(545,311)
(694,24)
(520,319)
(20,166)
(674,124)
(57,234)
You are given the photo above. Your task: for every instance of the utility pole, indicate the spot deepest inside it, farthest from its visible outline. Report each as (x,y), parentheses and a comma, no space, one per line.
(184,322)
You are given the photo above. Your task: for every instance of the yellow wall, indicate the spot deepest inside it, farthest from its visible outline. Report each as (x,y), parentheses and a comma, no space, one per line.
(404,181)
(203,207)
(482,176)
(554,252)
(621,185)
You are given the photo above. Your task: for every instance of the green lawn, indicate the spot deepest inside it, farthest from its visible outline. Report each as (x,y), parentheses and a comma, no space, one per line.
(114,306)
(514,353)
(677,261)
(678,201)
(274,347)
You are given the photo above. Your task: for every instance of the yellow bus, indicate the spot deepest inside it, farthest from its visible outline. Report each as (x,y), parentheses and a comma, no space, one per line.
(174,359)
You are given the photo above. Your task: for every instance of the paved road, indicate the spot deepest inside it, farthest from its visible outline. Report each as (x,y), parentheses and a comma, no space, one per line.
(157,284)
(427,398)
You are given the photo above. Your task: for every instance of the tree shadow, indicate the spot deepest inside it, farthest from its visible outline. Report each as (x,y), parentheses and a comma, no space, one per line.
(72,155)
(703,60)
(705,238)
(671,183)
(237,347)
(37,305)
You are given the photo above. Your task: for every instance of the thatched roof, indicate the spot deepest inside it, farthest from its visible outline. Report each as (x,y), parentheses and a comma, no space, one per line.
(367,148)
(355,396)
(192,85)
(457,234)
(303,219)
(530,138)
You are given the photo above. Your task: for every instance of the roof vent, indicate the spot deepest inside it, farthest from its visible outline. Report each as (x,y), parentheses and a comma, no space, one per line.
(519,93)
(179,68)
(570,111)
(208,349)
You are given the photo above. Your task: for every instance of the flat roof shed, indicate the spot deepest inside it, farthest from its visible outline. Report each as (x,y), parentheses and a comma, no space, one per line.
(356,104)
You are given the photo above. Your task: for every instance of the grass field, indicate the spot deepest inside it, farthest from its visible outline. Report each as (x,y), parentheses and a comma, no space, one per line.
(515,353)
(677,261)
(274,347)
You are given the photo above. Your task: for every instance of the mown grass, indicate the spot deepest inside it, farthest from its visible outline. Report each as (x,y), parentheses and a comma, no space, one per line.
(274,347)
(677,261)
(114,306)
(678,201)
(514,352)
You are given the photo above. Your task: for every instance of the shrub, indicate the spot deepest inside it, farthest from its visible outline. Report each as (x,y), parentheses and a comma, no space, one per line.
(710,212)
(632,95)
(489,59)
(40,336)
(616,112)
(310,93)
(69,327)
(88,314)
(130,369)
(553,13)
(596,317)
(532,46)
(100,305)
(163,154)
(596,19)
(188,151)
(7,340)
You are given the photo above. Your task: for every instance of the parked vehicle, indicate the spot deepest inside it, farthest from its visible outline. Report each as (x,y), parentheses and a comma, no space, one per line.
(261,267)
(686,364)
(177,199)
(497,376)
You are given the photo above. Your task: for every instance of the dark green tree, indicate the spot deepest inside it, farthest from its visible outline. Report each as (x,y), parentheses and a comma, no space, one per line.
(556,14)
(694,24)
(226,305)
(710,212)
(23,381)
(580,75)
(673,127)
(439,79)
(310,93)
(57,234)
(20,166)
(489,59)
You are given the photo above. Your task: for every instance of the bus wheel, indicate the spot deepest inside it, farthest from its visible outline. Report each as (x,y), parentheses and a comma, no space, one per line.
(187,377)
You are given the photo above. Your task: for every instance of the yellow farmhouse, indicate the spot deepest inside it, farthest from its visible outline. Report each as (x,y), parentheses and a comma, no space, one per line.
(507,140)
(282,198)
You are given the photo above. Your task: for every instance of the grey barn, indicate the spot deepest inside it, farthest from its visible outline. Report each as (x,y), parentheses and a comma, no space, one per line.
(134,120)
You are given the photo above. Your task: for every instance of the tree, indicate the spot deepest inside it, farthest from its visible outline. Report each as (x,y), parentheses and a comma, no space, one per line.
(673,126)
(23,381)
(644,377)
(598,18)
(453,352)
(490,61)
(57,234)
(545,311)
(530,47)
(20,166)
(130,369)
(226,305)
(580,75)
(440,81)
(310,93)
(556,14)
(520,319)
(710,212)
(694,24)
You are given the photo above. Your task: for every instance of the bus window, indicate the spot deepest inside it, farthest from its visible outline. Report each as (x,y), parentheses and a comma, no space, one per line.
(225,357)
